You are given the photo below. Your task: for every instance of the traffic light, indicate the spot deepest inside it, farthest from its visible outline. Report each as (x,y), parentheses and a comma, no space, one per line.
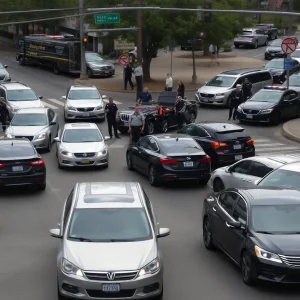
(85,41)
(207,15)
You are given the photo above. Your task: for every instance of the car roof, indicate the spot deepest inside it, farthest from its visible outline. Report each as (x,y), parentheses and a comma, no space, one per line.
(15,86)
(80,125)
(243,71)
(109,195)
(36,110)
(83,87)
(271,195)
(294,166)
(278,160)
(221,127)
(171,136)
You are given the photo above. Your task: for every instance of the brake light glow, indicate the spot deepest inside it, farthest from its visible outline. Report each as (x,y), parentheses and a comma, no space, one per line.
(250,142)
(39,162)
(217,145)
(168,161)
(1,165)
(206,159)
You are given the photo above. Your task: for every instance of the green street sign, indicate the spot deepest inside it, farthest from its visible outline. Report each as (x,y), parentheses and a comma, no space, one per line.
(107,18)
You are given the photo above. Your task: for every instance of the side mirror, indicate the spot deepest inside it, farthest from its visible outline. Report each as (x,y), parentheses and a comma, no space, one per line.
(52,123)
(104,97)
(40,97)
(5,66)
(256,181)
(163,232)
(106,138)
(228,170)
(234,224)
(55,233)
(56,139)
(63,97)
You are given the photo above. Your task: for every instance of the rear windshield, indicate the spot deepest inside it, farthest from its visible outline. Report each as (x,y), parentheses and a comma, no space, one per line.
(247,32)
(276,43)
(186,146)
(15,151)
(231,135)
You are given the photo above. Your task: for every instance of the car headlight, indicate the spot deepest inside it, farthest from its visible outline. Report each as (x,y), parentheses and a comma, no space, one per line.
(70,107)
(222,94)
(65,153)
(99,107)
(70,269)
(263,254)
(239,109)
(151,268)
(40,136)
(103,152)
(266,111)
(8,135)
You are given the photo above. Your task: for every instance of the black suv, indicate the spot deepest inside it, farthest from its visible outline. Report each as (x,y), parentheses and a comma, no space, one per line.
(268,29)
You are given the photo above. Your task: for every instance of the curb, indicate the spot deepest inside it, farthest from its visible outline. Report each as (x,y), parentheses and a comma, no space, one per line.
(287,133)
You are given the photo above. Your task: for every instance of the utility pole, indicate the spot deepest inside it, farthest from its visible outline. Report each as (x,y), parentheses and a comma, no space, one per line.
(258,8)
(83,74)
(291,9)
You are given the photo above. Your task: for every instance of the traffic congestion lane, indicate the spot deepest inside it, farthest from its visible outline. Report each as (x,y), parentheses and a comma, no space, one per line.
(257,53)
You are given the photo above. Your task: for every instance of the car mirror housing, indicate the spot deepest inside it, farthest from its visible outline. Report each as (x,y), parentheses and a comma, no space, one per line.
(56,139)
(55,233)
(228,170)
(107,138)
(234,224)
(163,232)
(63,97)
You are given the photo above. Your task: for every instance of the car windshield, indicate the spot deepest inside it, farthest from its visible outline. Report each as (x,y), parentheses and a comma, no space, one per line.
(247,32)
(93,57)
(110,225)
(29,120)
(296,54)
(276,219)
(276,43)
(21,95)
(222,81)
(232,135)
(82,136)
(283,178)
(179,146)
(266,96)
(294,81)
(83,94)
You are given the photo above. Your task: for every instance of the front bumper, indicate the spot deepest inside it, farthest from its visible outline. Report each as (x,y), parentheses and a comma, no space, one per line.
(100,72)
(23,180)
(259,118)
(72,161)
(40,143)
(218,101)
(87,115)
(269,55)
(81,288)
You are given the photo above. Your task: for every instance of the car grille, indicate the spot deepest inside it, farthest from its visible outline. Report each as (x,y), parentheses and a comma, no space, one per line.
(251,111)
(207,95)
(102,276)
(125,117)
(30,138)
(83,155)
(292,261)
(100,294)
(106,68)
(86,109)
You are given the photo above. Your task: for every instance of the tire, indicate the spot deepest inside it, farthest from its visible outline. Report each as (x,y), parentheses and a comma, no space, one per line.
(255,45)
(207,234)
(48,149)
(152,176)
(42,186)
(248,269)
(89,73)
(203,181)
(193,117)
(21,61)
(123,130)
(57,131)
(218,185)
(59,165)
(276,120)
(56,69)
(267,42)
(164,126)
(129,161)
(160,296)
(236,46)
(150,127)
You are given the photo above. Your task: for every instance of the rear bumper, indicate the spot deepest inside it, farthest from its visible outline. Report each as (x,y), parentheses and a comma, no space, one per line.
(23,180)
(225,159)
(244,43)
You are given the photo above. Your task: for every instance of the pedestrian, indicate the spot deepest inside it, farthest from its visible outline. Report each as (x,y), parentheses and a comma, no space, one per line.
(145,97)
(237,97)
(179,111)
(213,54)
(111,113)
(136,124)
(247,87)
(180,89)
(128,75)
(169,83)
(3,117)
(138,72)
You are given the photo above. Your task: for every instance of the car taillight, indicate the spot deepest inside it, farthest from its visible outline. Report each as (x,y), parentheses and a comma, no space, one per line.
(205,159)
(250,142)
(250,36)
(205,198)
(168,161)
(39,162)
(1,165)
(217,145)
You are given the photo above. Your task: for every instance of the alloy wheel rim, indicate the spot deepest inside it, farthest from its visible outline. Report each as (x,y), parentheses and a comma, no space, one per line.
(165,126)
(150,128)
(207,233)
(245,268)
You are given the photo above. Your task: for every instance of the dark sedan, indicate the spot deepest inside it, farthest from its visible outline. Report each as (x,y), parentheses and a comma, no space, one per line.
(274,49)
(270,105)
(21,165)
(223,143)
(258,229)
(168,158)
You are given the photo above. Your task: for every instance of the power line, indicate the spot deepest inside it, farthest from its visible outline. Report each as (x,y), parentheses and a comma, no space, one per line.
(35,11)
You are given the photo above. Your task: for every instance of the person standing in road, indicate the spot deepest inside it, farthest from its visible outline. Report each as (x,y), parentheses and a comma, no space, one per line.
(145,97)
(237,97)
(169,83)
(180,89)
(179,111)
(3,114)
(247,87)
(111,113)
(136,125)
(138,72)
(213,54)
(128,75)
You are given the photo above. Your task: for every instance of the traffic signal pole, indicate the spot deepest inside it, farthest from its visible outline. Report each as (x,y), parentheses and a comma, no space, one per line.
(83,70)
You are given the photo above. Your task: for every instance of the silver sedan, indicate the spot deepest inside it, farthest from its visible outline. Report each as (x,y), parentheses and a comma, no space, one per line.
(247,172)
(38,125)
(81,145)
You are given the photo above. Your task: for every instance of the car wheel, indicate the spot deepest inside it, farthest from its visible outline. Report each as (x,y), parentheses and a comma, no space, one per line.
(56,69)
(123,130)
(207,234)
(150,128)
(59,165)
(57,131)
(42,186)
(164,126)
(236,46)
(152,175)
(193,117)
(255,44)
(129,161)
(89,73)
(48,149)
(248,269)
(218,185)
(267,42)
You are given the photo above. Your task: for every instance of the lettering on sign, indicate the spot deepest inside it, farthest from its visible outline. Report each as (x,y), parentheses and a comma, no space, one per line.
(37,47)
(123,45)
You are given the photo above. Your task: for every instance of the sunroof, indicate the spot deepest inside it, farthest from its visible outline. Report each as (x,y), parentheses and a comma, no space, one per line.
(108,198)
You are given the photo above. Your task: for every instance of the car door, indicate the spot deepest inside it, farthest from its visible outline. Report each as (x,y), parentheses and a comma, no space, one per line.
(52,128)
(139,153)
(148,154)
(259,37)
(285,105)
(239,175)
(294,104)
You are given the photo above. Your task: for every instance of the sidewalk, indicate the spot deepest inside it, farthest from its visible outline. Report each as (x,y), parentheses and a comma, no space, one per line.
(291,130)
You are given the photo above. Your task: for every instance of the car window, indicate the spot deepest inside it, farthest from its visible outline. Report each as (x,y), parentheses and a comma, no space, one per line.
(18,150)
(51,115)
(2,93)
(293,95)
(21,95)
(259,170)
(275,64)
(143,142)
(82,136)
(227,200)
(240,80)
(83,94)
(231,135)
(294,80)
(253,78)
(222,81)
(188,129)
(264,76)
(242,167)
(200,132)
(29,120)
(153,145)
(240,211)
(286,96)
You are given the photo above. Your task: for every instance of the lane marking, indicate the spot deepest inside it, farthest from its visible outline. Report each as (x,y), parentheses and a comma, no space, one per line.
(270,145)
(56,101)
(261,140)
(276,150)
(49,105)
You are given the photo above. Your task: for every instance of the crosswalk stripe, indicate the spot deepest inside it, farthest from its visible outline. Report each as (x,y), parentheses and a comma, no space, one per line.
(288,152)
(57,102)
(261,141)
(283,149)
(49,105)
(270,145)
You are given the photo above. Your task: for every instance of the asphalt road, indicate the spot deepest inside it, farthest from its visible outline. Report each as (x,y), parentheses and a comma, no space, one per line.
(28,253)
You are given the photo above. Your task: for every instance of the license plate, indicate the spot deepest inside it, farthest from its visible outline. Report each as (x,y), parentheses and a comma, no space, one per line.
(205,100)
(17,168)
(86,114)
(188,164)
(237,147)
(85,161)
(249,117)
(238,157)
(111,288)
(125,123)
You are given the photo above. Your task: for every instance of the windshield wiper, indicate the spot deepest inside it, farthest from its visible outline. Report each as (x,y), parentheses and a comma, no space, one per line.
(81,239)
(265,232)
(121,240)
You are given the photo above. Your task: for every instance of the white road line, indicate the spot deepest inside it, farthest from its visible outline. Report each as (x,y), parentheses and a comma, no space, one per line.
(49,105)
(57,102)
(283,149)
(272,154)
(116,102)
(119,144)
(261,141)
(261,54)
(270,145)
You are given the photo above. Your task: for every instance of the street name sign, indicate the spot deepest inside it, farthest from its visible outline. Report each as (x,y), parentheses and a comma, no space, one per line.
(107,18)
(289,45)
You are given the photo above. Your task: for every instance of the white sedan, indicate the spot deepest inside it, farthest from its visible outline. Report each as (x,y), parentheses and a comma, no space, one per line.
(296,55)
(246,172)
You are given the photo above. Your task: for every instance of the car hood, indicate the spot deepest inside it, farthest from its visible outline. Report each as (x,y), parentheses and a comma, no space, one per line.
(85,102)
(100,64)
(275,71)
(110,256)
(26,104)
(255,105)
(287,244)
(213,89)
(277,49)
(3,72)
(83,147)
(25,130)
